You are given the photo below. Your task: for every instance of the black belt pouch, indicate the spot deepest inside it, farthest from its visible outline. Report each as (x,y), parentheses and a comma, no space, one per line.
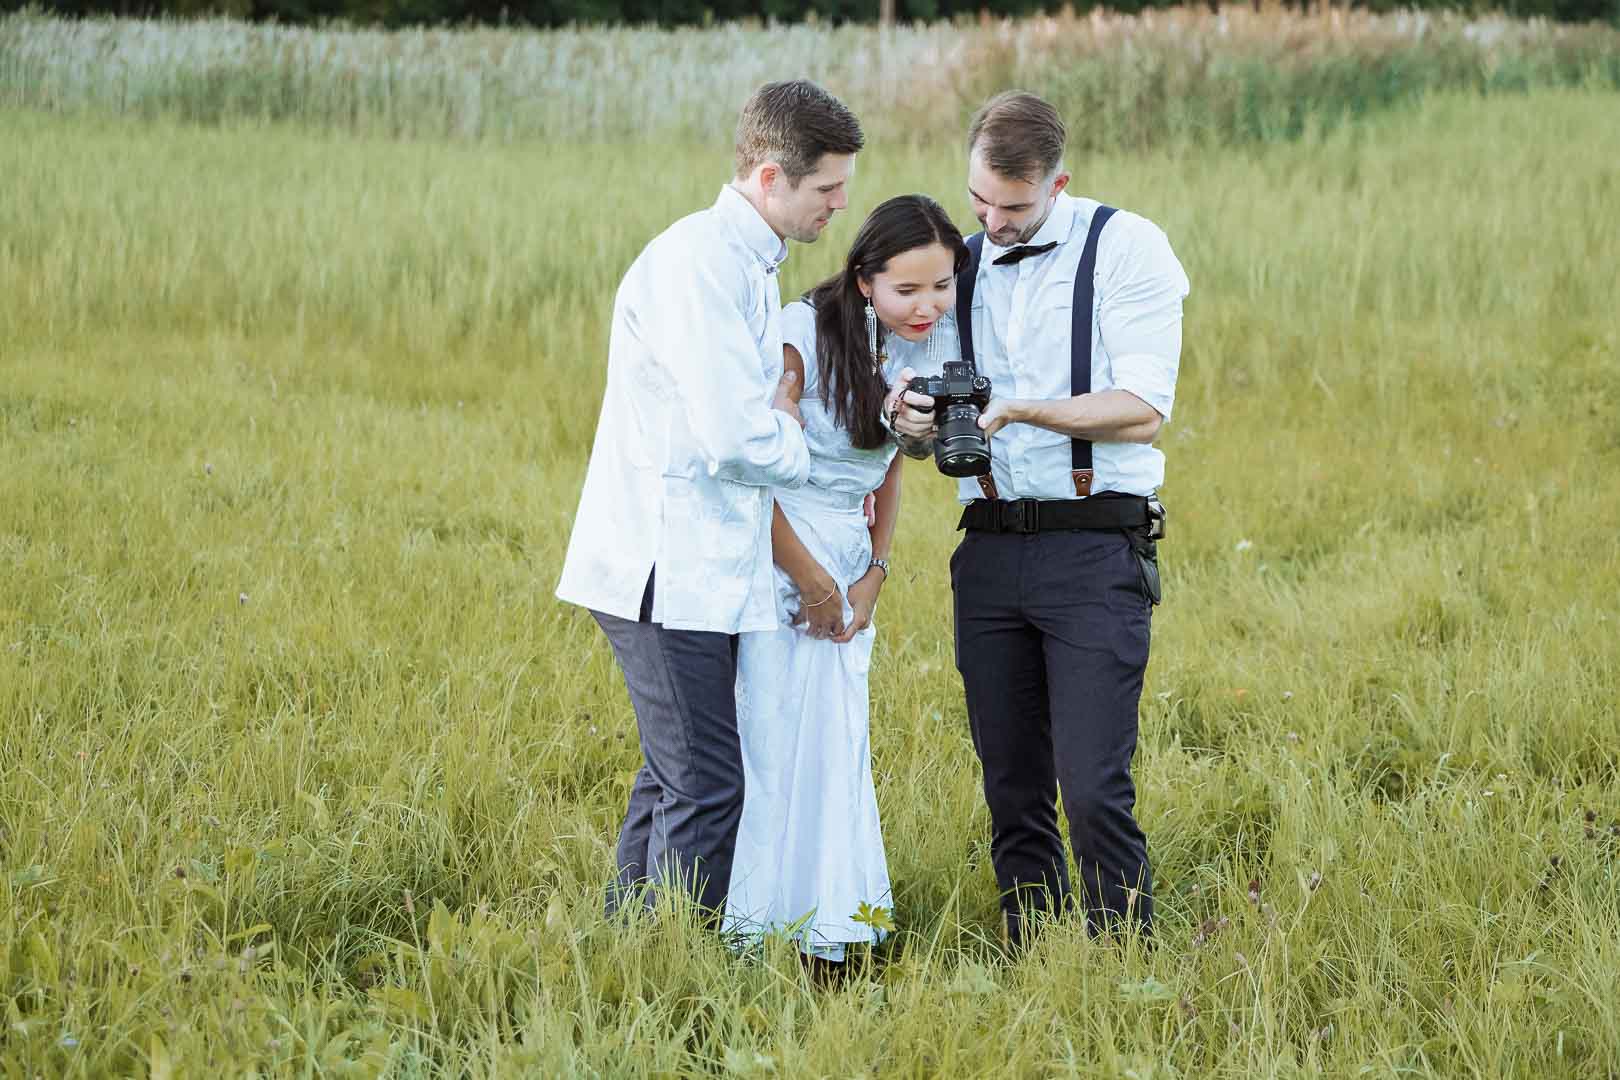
(1147,560)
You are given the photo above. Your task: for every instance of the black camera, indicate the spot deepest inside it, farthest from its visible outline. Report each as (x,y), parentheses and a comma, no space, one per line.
(960,394)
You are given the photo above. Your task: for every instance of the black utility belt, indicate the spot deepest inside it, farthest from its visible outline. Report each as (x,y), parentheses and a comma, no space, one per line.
(1102,511)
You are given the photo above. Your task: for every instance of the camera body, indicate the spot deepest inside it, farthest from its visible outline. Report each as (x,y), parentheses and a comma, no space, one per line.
(960,394)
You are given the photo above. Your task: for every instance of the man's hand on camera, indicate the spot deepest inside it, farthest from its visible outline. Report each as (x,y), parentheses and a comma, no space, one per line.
(784,400)
(998,414)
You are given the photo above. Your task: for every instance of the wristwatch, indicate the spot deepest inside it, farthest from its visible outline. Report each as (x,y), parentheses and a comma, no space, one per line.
(883,565)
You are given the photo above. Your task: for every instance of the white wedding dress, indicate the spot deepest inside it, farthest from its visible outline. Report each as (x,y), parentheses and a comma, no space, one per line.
(810,847)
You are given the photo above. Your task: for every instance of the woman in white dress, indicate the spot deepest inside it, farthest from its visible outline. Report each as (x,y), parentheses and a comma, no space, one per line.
(809,848)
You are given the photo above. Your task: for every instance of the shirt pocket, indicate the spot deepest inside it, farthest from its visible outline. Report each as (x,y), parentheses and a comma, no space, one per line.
(1057,301)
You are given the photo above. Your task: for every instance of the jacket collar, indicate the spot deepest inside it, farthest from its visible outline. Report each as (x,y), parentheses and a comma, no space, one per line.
(739,214)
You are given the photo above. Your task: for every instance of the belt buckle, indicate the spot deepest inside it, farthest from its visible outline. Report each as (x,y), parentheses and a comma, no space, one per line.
(1021,515)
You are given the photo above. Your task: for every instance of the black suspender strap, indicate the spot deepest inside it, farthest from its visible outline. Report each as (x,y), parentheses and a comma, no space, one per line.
(1080,345)
(1079,336)
(965,281)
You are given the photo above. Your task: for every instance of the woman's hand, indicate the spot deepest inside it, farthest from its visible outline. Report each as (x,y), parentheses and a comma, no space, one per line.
(863,597)
(821,618)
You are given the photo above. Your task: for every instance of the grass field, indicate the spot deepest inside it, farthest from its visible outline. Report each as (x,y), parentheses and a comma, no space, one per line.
(305,772)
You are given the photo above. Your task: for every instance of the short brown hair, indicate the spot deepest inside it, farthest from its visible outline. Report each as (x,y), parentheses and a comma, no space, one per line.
(794,124)
(1021,136)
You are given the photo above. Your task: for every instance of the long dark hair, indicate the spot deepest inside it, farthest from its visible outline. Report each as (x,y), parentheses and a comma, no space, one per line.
(850,386)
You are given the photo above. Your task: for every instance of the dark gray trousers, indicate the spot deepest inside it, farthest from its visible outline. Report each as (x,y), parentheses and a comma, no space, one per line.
(1052,636)
(680,830)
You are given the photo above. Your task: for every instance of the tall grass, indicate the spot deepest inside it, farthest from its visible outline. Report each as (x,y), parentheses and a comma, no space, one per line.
(1180,76)
(304,771)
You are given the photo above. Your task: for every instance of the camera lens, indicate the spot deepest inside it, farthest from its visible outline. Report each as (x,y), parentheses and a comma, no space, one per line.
(960,448)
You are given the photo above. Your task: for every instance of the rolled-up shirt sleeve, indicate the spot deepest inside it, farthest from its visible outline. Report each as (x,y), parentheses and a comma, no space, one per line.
(1140,313)
(718,373)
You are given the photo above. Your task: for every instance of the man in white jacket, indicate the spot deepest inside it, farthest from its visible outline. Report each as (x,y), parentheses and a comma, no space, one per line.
(671,548)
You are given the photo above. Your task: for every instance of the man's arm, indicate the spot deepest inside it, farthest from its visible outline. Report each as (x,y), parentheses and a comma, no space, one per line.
(1105,416)
(1142,287)
(701,332)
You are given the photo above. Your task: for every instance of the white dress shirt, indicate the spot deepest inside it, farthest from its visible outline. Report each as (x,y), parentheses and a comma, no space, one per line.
(1022,319)
(687,445)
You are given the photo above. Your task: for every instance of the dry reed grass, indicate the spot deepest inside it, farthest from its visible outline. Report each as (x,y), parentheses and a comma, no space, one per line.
(1180,76)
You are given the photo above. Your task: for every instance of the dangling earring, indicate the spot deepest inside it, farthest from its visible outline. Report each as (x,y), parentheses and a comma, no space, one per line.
(872,336)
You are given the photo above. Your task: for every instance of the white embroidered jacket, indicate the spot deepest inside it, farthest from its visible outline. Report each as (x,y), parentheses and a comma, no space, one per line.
(687,444)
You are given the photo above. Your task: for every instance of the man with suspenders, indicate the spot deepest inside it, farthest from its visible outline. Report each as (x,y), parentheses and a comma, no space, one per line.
(1073,311)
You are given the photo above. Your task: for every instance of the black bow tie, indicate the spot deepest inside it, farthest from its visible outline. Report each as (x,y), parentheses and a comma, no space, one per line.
(1012,255)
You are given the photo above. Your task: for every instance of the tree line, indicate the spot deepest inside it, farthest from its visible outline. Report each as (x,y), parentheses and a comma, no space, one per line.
(554,13)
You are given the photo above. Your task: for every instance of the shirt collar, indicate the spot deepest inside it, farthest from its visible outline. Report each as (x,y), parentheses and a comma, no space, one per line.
(736,211)
(1059,224)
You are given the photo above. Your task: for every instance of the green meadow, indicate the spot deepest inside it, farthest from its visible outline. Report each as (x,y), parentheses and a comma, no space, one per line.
(305,772)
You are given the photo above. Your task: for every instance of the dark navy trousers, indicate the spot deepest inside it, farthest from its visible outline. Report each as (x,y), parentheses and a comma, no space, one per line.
(1052,633)
(680,828)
